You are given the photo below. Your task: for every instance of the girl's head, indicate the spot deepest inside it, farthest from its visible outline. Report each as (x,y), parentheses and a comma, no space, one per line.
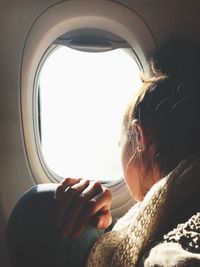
(161,127)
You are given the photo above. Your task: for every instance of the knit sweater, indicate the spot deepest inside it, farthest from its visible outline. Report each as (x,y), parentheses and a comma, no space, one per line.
(162,230)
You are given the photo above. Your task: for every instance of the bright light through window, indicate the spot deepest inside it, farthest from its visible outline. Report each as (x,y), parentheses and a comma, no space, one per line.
(83,97)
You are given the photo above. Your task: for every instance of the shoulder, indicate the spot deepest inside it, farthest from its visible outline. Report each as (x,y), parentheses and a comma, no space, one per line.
(170,255)
(178,248)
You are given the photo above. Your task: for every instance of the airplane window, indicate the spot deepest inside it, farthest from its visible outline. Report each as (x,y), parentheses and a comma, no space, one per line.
(82,99)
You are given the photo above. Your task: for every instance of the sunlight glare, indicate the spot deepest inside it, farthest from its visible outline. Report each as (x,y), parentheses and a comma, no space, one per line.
(83,100)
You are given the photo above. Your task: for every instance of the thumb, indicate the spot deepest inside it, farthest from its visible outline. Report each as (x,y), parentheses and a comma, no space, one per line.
(102,220)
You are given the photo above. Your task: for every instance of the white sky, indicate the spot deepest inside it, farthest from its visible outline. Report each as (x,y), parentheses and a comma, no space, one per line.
(83,99)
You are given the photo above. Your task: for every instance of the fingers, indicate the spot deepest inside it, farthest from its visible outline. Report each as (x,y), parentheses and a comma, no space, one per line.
(76,208)
(103,219)
(102,216)
(82,202)
(97,211)
(59,193)
(69,195)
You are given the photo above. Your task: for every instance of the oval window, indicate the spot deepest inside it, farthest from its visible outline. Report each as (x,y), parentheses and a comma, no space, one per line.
(82,99)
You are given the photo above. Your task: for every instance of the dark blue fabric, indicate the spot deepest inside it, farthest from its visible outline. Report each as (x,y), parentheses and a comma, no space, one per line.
(33,238)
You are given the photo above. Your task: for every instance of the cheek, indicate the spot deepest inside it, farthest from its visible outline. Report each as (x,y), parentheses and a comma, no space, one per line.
(124,161)
(128,168)
(134,182)
(126,155)
(125,158)
(131,172)
(133,177)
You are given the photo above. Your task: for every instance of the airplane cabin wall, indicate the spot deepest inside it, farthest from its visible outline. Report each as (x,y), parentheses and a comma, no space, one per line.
(16,18)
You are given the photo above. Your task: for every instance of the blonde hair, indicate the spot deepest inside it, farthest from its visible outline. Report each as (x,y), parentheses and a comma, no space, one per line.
(128,132)
(162,106)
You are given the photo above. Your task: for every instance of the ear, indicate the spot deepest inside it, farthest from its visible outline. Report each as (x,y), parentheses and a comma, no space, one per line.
(141,136)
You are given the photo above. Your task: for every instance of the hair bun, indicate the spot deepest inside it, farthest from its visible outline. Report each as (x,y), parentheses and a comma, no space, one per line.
(180,60)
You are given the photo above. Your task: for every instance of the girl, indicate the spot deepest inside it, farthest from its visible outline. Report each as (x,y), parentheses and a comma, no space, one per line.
(160,158)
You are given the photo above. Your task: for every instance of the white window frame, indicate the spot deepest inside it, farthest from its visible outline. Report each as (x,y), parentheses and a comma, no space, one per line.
(61,18)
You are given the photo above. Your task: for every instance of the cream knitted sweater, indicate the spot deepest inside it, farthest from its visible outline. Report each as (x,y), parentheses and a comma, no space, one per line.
(123,246)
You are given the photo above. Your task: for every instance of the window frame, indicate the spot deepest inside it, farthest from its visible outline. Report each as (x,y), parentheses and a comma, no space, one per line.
(60,18)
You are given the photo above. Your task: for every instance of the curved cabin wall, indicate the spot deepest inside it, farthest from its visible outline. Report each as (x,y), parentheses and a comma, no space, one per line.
(16,19)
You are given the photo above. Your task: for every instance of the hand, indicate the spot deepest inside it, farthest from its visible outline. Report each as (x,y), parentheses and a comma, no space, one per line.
(82,202)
